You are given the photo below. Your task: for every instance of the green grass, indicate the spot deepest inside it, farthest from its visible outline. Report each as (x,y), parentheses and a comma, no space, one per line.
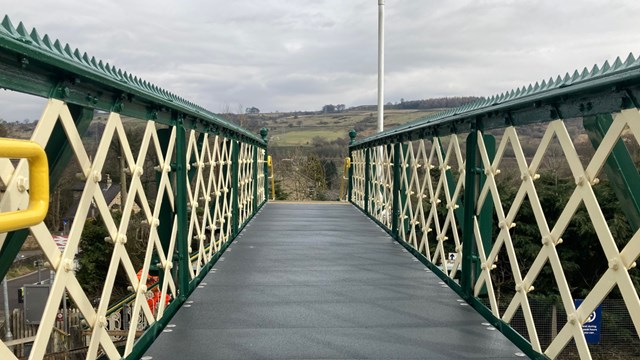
(299,131)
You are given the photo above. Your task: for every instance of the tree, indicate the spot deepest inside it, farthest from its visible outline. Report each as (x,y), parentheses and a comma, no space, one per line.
(4,132)
(252,110)
(94,257)
(329,108)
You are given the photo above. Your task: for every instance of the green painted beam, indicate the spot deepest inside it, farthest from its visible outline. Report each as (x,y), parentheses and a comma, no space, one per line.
(182,199)
(255,178)
(471,193)
(367,178)
(395,193)
(42,66)
(619,167)
(601,90)
(485,219)
(235,188)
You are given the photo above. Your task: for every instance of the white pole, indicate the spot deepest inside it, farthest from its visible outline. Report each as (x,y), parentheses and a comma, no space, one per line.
(380,65)
(380,161)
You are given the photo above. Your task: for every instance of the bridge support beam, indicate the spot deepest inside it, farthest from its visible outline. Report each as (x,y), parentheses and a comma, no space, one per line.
(471,192)
(367,178)
(235,214)
(619,167)
(396,195)
(182,199)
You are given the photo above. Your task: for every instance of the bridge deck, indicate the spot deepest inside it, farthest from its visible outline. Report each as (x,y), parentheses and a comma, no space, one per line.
(321,281)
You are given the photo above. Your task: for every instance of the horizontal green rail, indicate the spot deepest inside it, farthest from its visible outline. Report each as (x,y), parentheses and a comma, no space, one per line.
(601,90)
(38,65)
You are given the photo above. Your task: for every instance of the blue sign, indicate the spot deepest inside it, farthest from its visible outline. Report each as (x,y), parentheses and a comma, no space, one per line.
(592,327)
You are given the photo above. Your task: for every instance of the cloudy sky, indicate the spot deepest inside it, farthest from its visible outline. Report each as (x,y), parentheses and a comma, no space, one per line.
(285,55)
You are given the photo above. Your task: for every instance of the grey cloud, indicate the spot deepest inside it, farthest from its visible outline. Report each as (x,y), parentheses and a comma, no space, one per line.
(297,55)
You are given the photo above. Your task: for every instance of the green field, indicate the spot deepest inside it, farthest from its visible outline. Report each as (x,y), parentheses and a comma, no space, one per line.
(292,130)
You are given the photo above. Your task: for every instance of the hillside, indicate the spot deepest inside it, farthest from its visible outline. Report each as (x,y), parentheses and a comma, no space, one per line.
(289,129)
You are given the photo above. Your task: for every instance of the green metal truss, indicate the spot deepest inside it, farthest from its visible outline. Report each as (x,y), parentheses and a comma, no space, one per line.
(37,65)
(603,89)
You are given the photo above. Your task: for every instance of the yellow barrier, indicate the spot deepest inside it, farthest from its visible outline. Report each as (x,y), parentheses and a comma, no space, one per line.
(345,177)
(38,180)
(271,178)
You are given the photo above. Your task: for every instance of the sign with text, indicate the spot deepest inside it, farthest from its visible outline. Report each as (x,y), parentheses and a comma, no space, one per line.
(592,327)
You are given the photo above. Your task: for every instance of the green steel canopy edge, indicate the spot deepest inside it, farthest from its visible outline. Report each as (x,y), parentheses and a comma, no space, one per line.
(604,89)
(38,65)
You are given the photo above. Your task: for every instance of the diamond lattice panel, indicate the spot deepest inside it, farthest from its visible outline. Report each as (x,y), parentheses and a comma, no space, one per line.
(551,238)
(92,195)
(357,180)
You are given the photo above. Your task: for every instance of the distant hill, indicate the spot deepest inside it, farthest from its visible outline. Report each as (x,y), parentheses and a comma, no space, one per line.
(435,103)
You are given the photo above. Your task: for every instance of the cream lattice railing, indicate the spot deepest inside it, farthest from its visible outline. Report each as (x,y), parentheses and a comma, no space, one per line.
(188,182)
(480,216)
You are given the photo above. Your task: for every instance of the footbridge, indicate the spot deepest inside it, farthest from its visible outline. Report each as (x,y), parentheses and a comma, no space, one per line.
(502,229)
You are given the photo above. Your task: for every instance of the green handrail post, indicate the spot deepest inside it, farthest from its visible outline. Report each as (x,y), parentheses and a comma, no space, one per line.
(235,214)
(367,165)
(263,133)
(485,218)
(166,213)
(255,178)
(471,192)
(395,195)
(182,211)
(619,167)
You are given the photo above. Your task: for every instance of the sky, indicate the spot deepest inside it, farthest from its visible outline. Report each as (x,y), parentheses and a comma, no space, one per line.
(285,55)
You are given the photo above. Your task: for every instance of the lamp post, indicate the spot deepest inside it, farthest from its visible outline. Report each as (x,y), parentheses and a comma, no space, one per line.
(380,161)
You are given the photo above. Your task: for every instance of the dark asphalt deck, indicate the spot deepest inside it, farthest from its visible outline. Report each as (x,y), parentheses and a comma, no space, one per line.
(323,282)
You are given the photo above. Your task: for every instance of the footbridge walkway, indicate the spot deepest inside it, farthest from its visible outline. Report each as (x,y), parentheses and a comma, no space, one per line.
(296,285)
(503,228)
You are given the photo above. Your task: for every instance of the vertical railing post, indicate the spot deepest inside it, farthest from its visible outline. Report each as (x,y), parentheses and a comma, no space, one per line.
(181,209)
(350,177)
(235,169)
(367,178)
(255,178)
(352,139)
(166,213)
(263,133)
(471,192)
(395,195)
(485,218)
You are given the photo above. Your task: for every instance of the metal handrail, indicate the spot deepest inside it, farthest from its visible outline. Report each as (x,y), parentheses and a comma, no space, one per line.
(51,69)
(272,179)
(38,180)
(603,89)
(345,177)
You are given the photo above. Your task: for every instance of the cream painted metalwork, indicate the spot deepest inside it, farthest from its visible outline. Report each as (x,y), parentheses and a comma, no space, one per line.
(210,196)
(620,260)
(358,177)
(63,263)
(262,196)
(425,185)
(245,182)
(381,187)
(433,184)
